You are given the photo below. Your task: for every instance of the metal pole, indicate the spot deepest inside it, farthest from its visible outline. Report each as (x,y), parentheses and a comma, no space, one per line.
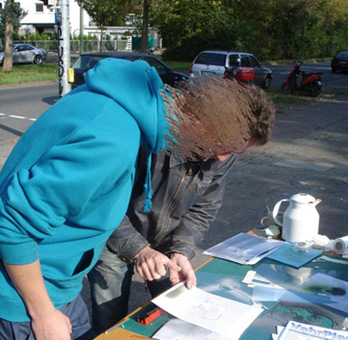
(81,28)
(63,47)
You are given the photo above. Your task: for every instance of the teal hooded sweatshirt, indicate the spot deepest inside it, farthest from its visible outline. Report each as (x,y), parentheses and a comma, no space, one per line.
(67,183)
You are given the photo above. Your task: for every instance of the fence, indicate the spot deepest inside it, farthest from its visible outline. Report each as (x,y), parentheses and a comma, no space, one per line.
(88,45)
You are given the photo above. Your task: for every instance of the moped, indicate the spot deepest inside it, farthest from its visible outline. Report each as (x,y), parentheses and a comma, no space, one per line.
(309,82)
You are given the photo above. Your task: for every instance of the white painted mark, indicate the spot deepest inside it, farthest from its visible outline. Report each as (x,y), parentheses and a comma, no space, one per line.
(17,117)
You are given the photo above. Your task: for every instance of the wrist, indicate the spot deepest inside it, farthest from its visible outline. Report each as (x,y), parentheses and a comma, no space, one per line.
(41,310)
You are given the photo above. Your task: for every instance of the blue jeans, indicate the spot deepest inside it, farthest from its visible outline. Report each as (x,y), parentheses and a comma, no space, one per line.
(110,282)
(76,311)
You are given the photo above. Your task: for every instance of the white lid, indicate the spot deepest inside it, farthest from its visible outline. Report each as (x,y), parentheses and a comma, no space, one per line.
(302,198)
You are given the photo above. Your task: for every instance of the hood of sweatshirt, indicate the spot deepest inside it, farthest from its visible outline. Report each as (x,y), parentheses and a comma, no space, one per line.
(136,87)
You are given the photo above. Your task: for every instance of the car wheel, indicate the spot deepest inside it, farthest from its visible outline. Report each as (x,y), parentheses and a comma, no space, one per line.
(267,83)
(37,60)
(286,89)
(333,70)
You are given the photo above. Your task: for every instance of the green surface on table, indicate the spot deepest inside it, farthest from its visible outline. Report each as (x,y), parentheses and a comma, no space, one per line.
(227,276)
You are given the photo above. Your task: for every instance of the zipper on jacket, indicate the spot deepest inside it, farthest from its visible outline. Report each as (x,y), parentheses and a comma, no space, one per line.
(188,172)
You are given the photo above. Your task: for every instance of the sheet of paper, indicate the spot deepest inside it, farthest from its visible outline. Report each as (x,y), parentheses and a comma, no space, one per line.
(334,290)
(319,289)
(244,248)
(176,329)
(299,331)
(215,313)
(285,254)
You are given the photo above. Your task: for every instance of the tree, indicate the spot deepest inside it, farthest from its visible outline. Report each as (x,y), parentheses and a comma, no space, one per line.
(145,26)
(10,18)
(189,26)
(109,12)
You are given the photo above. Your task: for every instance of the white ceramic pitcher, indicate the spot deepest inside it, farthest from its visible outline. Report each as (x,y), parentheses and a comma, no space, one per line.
(301,218)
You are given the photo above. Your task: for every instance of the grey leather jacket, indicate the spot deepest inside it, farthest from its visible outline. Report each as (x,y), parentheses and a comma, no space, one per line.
(186,199)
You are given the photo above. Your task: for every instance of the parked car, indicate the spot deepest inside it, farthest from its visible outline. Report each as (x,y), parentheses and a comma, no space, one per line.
(218,62)
(340,62)
(25,53)
(89,60)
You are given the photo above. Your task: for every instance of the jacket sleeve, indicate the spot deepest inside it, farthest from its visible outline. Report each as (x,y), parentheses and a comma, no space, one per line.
(195,222)
(126,241)
(57,187)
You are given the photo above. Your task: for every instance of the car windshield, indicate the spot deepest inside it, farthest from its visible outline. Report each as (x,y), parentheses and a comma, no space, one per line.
(217,59)
(156,64)
(342,55)
(87,61)
(254,61)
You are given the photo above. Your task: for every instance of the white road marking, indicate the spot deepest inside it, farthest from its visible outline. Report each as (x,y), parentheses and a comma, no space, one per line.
(17,117)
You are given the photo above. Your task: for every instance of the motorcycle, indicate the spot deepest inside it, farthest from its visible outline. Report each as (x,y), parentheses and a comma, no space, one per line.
(309,82)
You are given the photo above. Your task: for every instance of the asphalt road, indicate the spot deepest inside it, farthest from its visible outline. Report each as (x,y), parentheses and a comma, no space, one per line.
(21,105)
(330,80)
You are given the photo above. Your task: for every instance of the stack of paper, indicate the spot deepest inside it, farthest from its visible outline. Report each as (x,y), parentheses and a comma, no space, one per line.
(244,248)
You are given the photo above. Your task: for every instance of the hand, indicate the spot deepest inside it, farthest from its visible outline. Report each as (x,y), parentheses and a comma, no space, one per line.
(52,326)
(186,273)
(150,264)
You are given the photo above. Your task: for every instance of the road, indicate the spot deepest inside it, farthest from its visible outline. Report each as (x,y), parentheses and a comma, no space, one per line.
(330,80)
(21,105)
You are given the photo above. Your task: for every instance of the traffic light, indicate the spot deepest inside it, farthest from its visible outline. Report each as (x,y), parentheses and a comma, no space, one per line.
(49,3)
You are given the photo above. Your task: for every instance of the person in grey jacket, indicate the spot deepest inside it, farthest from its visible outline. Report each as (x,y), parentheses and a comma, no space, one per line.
(187,195)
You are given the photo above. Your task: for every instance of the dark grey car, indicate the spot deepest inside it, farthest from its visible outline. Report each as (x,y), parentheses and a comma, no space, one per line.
(89,60)
(340,62)
(218,62)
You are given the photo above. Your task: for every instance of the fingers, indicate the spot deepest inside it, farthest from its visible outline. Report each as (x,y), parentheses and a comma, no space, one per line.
(151,264)
(186,273)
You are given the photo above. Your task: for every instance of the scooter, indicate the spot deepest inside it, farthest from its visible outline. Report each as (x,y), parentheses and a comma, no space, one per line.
(310,82)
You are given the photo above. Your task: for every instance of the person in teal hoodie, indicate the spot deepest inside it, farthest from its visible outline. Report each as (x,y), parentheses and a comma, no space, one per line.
(65,188)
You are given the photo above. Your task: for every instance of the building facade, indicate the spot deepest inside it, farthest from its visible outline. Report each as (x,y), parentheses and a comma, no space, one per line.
(42,19)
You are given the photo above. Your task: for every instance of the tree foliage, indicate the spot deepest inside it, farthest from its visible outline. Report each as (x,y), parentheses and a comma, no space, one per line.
(272,29)
(110,12)
(15,12)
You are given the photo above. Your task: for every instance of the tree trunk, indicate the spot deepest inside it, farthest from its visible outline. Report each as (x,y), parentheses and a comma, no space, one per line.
(145,29)
(8,57)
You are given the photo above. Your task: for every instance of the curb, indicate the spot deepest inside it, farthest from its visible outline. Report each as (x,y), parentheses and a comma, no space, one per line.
(21,85)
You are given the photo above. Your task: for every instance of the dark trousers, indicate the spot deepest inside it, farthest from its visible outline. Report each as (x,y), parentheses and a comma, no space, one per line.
(76,311)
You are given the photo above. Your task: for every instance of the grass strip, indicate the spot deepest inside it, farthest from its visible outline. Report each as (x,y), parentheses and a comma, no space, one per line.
(29,73)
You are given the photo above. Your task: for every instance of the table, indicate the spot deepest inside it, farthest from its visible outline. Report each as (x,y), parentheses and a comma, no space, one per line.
(275,313)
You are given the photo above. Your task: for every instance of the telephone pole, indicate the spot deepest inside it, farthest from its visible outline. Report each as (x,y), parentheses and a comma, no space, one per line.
(62,20)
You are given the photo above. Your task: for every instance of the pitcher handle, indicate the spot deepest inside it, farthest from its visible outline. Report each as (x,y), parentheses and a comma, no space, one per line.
(276,209)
